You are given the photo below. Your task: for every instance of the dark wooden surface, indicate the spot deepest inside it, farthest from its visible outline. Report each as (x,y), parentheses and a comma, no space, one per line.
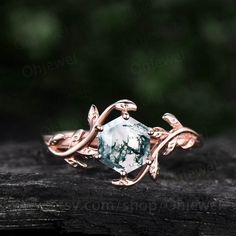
(194,195)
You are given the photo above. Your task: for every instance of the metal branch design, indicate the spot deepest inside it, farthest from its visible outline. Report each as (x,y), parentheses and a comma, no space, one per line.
(84,143)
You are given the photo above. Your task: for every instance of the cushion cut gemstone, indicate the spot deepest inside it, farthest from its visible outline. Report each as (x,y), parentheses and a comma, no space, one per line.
(124,145)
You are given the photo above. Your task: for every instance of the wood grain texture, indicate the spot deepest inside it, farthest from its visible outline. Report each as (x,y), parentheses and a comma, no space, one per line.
(194,195)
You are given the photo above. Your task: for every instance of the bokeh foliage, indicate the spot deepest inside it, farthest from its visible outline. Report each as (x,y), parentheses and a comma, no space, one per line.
(59,57)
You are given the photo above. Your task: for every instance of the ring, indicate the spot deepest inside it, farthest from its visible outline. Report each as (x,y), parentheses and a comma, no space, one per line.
(123,144)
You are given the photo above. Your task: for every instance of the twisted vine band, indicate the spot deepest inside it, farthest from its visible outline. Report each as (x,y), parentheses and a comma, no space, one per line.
(124,144)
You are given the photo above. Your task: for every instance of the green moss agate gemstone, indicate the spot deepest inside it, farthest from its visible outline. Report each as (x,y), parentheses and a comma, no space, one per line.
(124,145)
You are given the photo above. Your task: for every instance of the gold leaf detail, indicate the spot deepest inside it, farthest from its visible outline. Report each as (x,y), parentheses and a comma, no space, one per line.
(88,151)
(154,169)
(170,147)
(72,161)
(93,115)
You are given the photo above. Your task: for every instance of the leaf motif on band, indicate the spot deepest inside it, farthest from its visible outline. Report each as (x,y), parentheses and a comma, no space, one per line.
(56,139)
(159,133)
(125,105)
(189,141)
(172,120)
(170,146)
(93,115)
(74,162)
(154,169)
(88,151)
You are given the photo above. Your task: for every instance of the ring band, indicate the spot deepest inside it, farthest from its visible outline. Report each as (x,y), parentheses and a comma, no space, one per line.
(123,144)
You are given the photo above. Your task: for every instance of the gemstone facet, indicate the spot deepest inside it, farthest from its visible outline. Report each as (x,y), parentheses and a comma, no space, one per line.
(124,145)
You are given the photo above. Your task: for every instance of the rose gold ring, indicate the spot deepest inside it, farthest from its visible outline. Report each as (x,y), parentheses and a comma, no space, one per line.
(123,144)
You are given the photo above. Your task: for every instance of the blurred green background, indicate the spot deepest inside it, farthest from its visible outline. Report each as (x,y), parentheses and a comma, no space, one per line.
(59,57)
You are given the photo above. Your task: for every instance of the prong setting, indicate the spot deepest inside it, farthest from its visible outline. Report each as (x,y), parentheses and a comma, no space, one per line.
(148,162)
(98,156)
(123,173)
(151,131)
(99,128)
(125,115)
